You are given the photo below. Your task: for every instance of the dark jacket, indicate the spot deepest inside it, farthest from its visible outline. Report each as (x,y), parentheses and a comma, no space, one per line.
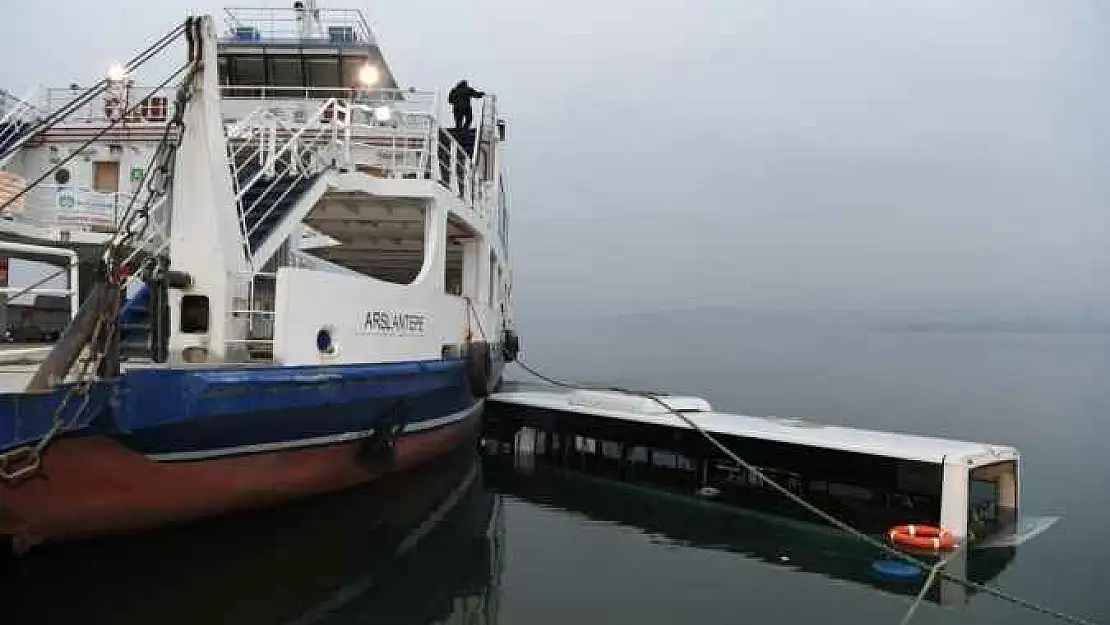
(461,95)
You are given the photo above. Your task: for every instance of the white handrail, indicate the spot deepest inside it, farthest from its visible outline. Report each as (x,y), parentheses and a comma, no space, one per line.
(300,155)
(12,249)
(331,103)
(288,23)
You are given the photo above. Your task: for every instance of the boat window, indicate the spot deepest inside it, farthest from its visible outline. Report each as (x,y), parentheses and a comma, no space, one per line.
(323,72)
(459,245)
(222,69)
(194,314)
(984,499)
(992,497)
(246,71)
(671,460)
(638,455)
(351,67)
(453,267)
(286,71)
(919,477)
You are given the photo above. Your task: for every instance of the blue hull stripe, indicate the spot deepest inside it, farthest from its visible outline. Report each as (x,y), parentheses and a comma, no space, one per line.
(177,412)
(319,441)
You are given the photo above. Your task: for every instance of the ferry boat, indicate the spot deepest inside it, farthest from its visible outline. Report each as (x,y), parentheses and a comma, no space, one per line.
(293,277)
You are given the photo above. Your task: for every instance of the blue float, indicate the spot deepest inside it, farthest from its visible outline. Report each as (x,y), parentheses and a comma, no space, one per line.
(896,571)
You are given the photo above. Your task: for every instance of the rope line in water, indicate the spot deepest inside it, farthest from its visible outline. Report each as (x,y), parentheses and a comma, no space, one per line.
(782,490)
(929,584)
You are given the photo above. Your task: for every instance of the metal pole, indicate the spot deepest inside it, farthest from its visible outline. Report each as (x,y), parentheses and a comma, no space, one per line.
(76,336)
(74,287)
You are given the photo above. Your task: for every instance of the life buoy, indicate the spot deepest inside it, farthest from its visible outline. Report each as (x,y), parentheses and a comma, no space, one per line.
(924,537)
(478,368)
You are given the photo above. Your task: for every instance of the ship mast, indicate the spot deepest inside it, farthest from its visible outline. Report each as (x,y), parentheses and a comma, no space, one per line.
(308,19)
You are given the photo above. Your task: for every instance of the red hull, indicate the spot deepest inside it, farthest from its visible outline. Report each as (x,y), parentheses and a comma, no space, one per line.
(95,485)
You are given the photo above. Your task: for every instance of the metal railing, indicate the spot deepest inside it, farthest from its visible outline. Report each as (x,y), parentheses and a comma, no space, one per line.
(250,320)
(309,149)
(338,26)
(16,114)
(405,108)
(22,250)
(394,136)
(453,168)
(155,105)
(10,103)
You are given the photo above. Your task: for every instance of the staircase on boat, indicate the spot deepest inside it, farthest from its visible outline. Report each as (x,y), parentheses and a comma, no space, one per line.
(267,203)
(277,172)
(16,116)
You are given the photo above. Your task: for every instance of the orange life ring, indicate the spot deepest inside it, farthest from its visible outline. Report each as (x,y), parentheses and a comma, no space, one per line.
(922,537)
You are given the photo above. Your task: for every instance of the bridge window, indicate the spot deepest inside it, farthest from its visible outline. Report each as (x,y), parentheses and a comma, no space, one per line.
(351,68)
(323,72)
(286,71)
(246,71)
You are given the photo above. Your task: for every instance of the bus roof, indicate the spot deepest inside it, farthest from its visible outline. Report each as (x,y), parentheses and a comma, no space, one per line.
(790,430)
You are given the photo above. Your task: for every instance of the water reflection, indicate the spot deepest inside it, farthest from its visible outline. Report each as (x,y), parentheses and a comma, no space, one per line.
(422,548)
(426,547)
(686,521)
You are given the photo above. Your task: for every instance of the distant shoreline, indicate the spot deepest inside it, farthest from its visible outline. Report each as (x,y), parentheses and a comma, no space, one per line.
(876,321)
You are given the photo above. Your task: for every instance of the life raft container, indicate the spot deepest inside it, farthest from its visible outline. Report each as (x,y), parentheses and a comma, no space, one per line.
(924,537)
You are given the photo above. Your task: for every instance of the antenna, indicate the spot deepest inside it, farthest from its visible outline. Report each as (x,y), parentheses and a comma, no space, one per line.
(308,18)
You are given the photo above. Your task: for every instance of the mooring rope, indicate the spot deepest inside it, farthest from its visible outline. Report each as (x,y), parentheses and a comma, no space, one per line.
(782,490)
(929,583)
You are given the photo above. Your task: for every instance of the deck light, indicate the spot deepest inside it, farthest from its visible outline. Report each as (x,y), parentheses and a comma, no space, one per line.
(382,113)
(117,73)
(368,75)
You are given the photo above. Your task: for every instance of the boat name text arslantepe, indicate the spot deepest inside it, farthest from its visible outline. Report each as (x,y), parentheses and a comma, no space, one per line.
(394,323)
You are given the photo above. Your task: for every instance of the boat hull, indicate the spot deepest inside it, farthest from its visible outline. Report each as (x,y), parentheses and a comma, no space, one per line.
(95,485)
(168,449)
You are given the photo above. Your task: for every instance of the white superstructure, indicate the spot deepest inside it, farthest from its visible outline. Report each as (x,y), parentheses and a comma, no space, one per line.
(323,213)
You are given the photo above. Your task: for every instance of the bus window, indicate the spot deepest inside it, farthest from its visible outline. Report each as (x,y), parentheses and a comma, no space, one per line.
(992,498)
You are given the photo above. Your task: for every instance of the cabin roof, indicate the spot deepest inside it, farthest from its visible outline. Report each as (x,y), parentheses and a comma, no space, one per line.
(778,429)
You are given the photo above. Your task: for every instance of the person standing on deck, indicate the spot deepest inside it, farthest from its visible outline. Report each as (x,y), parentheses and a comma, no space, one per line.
(459,99)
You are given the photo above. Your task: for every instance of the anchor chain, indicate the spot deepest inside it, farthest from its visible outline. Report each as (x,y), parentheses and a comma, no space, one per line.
(22,462)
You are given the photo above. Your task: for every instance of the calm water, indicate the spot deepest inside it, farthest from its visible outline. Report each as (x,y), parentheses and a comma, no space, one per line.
(479,542)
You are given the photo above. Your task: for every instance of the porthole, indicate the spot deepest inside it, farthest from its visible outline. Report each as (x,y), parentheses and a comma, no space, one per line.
(61,176)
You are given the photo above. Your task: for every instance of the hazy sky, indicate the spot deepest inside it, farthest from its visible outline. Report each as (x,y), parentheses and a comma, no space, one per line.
(765,154)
